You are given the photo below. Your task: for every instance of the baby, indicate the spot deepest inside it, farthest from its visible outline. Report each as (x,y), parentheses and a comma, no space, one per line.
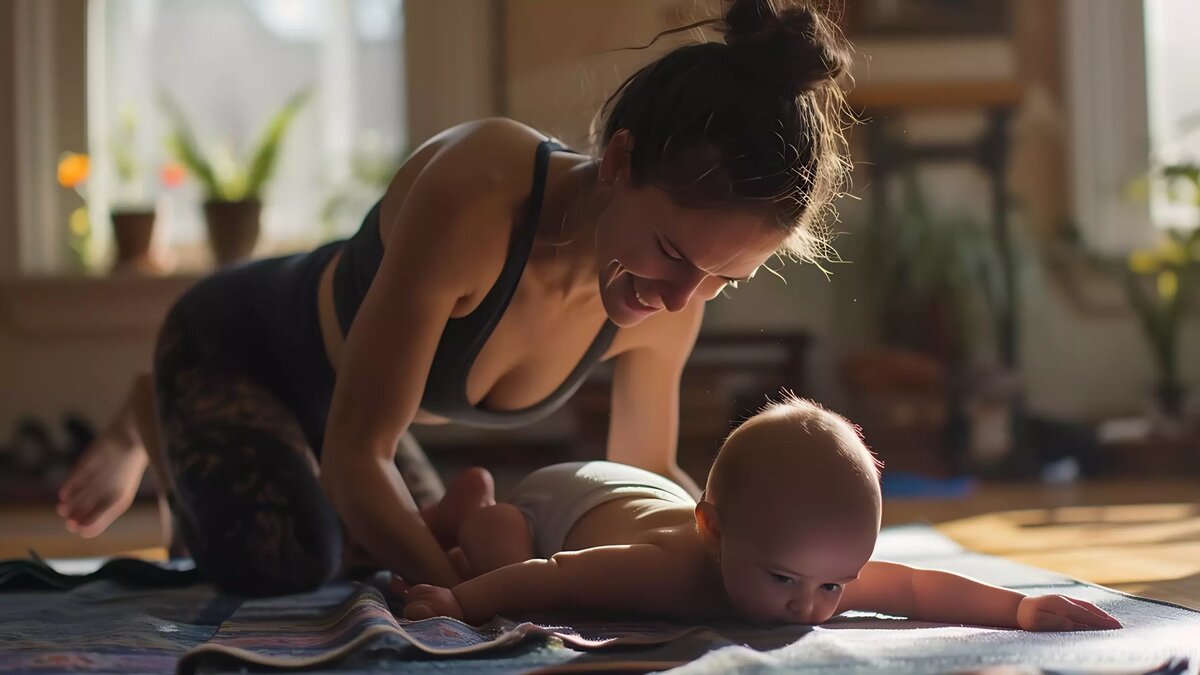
(783,534)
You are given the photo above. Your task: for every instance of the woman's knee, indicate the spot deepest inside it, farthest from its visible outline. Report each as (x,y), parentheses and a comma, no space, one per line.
(273,553)
(253,513)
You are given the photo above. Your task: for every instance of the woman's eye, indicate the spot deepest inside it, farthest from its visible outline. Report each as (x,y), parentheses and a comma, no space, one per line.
(673,256)
(831,588)
(782,579)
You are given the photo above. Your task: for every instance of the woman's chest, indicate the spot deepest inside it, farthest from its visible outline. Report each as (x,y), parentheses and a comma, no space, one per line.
(533,349)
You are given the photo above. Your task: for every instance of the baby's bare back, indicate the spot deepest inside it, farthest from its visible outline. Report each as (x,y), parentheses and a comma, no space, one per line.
(631,520)
(694,583)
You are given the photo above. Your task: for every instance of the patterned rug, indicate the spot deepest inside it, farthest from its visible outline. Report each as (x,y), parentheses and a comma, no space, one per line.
(113,621)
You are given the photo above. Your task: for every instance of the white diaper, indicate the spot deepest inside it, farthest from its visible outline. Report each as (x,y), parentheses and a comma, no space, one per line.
(553,499)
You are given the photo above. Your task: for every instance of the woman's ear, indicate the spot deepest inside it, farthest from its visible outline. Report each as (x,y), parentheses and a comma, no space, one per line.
(708,524)
(616,162)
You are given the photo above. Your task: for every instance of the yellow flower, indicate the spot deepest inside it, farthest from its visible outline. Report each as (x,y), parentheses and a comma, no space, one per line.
(1175,253)
(1144,261)
(79,223)
(73,169)
(1168,285)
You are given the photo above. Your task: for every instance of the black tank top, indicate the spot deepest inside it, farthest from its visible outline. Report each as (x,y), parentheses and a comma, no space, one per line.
(445,392)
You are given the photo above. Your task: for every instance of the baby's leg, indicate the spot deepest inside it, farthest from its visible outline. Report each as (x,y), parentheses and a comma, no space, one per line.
(494,537)
(471,490)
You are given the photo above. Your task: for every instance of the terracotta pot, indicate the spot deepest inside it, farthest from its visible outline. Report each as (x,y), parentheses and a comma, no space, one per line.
(233,229)
(132,232)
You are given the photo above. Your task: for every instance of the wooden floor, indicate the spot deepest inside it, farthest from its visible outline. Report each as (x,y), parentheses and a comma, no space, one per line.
(1139,537)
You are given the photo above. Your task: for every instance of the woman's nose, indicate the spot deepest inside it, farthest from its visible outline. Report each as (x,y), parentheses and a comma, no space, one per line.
(679,292)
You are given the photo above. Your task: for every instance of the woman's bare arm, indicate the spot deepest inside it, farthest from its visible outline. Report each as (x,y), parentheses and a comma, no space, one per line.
(644,426)
(432,262)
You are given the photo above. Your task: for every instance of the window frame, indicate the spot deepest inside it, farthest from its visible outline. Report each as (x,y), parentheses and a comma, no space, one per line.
(452,53)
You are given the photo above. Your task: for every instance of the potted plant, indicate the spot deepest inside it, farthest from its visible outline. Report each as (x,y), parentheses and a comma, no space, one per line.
(232,193)
(1160,283)
(133,211)
(931,275)
(935,286)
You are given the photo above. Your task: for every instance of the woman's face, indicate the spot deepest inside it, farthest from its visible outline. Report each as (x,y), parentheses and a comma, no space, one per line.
(655,255)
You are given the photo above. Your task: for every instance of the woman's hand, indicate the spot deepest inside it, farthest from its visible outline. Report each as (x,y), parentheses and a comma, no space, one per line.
(426,602)
(1058,612)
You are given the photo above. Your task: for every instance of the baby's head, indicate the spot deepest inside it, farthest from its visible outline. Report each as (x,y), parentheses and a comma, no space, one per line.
(791,512)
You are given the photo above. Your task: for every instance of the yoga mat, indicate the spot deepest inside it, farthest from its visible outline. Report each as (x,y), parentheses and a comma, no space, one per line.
(108,625)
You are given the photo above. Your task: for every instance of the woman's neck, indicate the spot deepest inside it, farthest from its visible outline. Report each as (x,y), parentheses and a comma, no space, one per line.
(565,251)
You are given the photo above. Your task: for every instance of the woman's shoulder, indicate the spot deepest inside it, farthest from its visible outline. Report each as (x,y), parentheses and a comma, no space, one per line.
(459,192)
(488,142)
(473,167)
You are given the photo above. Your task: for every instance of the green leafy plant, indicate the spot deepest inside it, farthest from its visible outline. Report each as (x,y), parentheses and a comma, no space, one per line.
(226,181)
(1161,282)
(938,279)
(371,170)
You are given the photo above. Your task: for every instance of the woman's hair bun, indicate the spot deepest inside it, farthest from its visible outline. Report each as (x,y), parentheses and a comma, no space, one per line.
(785,41)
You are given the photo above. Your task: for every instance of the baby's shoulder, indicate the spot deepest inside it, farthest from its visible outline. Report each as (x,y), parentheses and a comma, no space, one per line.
(682,544)
(695,578)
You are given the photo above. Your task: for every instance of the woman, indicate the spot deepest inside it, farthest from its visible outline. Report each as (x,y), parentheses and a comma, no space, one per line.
(468,296)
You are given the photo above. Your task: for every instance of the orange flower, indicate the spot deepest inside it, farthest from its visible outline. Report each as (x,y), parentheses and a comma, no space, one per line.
(73,169)
(172,174)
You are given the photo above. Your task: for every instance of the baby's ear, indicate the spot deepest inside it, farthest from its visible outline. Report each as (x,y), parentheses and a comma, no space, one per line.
(708,524)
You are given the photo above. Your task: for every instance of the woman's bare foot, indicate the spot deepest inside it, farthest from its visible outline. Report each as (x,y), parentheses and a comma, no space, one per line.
(104,480)
(471,490)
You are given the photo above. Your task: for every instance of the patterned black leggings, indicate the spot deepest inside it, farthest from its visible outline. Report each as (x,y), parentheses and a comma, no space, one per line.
(246,496)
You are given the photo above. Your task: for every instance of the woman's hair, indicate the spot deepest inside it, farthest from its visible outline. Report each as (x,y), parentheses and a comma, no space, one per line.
(754,121)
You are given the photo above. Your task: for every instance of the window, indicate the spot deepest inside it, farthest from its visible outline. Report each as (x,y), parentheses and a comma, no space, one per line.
(231,65)
(1172,54)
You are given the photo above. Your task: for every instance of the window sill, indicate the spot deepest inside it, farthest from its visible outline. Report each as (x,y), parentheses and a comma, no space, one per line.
(57,307)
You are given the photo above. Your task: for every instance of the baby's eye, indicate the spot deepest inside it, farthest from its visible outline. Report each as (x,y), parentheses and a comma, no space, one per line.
(782,578)
(831,588)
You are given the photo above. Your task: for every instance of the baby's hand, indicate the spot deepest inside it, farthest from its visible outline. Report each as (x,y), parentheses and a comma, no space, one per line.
(426,602)
(1058,612)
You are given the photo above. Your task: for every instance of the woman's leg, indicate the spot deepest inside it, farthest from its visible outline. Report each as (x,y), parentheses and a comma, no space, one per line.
(243,481)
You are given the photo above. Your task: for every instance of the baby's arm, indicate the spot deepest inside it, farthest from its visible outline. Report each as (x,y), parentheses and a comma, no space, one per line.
(943,597)
(638,577)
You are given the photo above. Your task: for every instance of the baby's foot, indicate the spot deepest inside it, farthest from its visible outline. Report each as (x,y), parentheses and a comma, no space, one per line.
(102,484)
(471,490)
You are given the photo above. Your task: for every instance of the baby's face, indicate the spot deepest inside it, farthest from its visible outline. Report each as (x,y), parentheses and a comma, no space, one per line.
(794,576)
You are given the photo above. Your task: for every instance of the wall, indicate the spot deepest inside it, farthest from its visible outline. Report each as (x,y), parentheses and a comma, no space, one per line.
(47,373)
(1076,364)
(8,137)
